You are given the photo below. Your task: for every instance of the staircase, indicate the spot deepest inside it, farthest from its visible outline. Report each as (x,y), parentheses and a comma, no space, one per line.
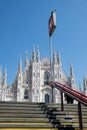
(40,116)
(69,117)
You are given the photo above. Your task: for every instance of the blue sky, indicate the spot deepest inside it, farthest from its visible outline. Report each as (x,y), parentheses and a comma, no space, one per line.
(24,23)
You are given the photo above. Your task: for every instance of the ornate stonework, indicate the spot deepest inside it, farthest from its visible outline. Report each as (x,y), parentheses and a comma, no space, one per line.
(32,84)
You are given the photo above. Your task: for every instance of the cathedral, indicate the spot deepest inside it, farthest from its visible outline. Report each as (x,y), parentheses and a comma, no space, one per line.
(31,84)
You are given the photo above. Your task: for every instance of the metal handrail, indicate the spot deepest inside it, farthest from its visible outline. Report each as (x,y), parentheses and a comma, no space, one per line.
(81,98)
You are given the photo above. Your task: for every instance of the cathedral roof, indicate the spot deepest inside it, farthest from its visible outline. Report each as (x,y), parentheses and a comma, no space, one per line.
(45,62)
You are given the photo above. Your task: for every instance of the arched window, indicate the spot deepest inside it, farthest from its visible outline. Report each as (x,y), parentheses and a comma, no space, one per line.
(26,94)
(46,77)
(46,98)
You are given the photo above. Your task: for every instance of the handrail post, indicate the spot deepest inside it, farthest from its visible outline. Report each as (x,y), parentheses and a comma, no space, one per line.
(80,116)
(52,93)
(62,106)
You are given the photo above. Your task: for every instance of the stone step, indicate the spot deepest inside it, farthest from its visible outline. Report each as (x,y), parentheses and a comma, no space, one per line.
(75,113)
(22,111)
(41,126)
(65,123)
(28,129)
(20,108)
(26,123)
(33,116)
(43,120)
(65,112)
(21,125)
(16,104)
(22,115)
(71,117)
(66,106)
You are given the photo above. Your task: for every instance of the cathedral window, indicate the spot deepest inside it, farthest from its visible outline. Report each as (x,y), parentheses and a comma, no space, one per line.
(46,77)
(26,94)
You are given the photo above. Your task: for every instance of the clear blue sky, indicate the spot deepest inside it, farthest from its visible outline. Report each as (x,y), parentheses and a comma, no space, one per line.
(24,23)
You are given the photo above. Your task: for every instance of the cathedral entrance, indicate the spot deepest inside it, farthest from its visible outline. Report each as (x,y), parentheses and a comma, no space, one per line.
(46,98)
(26,94)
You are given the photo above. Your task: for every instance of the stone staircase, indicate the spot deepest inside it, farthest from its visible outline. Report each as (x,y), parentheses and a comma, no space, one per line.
(69,116)
(40,116)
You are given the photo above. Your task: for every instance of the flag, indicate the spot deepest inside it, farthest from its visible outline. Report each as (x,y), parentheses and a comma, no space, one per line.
(52,23)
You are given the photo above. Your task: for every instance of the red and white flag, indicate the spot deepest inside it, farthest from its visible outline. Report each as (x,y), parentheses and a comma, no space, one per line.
(52,23)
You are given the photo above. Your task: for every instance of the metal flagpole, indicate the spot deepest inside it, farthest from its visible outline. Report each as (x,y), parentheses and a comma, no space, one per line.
(50,41)
(52,26)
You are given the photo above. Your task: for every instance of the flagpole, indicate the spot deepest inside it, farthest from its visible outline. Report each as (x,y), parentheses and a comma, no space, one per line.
(52,26)
(50,41)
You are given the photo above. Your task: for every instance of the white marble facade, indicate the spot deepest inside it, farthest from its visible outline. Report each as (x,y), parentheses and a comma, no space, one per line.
(32,83)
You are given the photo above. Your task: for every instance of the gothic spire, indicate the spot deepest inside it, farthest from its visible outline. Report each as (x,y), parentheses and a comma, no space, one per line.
(5,77)
(58,59)
(34,54)
(38,55)
(71,71)
(72,78)
(54,58)
(20,65)
(26,60)
(0,74)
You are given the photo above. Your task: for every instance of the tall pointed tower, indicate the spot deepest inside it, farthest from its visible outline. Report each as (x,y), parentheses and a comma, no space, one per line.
(5,78)
(4,85)
(26,80)
(35,75)
(26,61)
(25,76)
(19,81)
(0,83)
(72,78)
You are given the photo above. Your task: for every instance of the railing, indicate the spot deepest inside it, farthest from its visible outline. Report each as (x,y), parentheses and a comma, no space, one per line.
(74,95)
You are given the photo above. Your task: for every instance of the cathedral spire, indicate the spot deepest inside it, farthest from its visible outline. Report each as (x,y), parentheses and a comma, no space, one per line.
(72,78)
(54,58)
(38,54)
(58,59)
(71,71)
(0,74)
(26,60)
(5,77)
(20,65)
(34,54)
